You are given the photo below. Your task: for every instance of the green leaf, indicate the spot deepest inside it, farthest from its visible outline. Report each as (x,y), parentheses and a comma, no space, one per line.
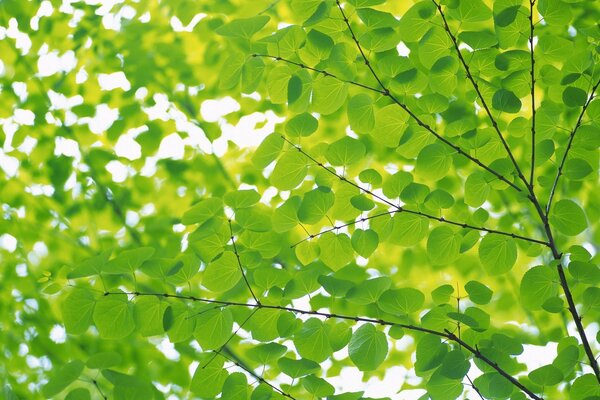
(345,151)
(208,381)
(430,353)
(574,97)
(315,205)
(301,125)
(113,316)
(368,291)
(401,301)
(434,162)
(61,378)
(476,189)
(390,125)
(213,327)
(568,218)
(79,394)
(507,101)
(478,292)
(585,388)
(409,229)
(329,94)
(297,368)
(235,387)
(336,250)
(77,310)
(202,211)
(443,245)
(365,242)
(104,360)
(368,348)
(128,261)
(244,27)
(223,273)
(290,171)
(538,284)
(317,386)
(241,198)
(266,353)
(548,375)
(312,341)
(268,151)
(440,387)
(361,114)
(497,253)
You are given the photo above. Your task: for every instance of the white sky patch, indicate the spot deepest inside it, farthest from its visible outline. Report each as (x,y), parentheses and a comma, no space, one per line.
(118,171)
(8,164)
(23,117)
(213,110)
(178,26)
(127,147)
(58,334)
(104,118)
(8,242)
(171,146)
(51,63)
(116,80)
(67,147)
(403,51)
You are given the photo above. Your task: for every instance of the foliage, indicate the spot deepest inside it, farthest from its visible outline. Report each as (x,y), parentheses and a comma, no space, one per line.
(428,201)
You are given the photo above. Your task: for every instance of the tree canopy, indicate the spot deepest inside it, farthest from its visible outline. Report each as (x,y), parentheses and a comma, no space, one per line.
(301,199)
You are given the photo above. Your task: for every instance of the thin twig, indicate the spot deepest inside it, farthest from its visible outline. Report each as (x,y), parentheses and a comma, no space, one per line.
(569,144)
(419,121)
(445,334)
(479,94)
(408,211)
(533,110)
(239,261)
(255,375)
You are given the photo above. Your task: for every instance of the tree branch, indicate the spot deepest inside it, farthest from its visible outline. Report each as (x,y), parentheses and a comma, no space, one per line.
(446,334)
(259,378)
(476,87)
(533,110)
(569,144)
(386,92)
(237,255)
(408,211)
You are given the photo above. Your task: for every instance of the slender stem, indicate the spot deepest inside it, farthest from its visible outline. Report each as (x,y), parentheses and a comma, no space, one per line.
(475,351)
(321,71)
(237,255)
(533,110)
(408,211)
(479,94)
(259,378)
(419,121)
(569,144)
(445,334)
(475,388)
(567,291)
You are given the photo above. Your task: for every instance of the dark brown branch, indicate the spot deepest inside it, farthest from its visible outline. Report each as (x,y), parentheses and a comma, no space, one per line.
(402,209)
(479,94)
